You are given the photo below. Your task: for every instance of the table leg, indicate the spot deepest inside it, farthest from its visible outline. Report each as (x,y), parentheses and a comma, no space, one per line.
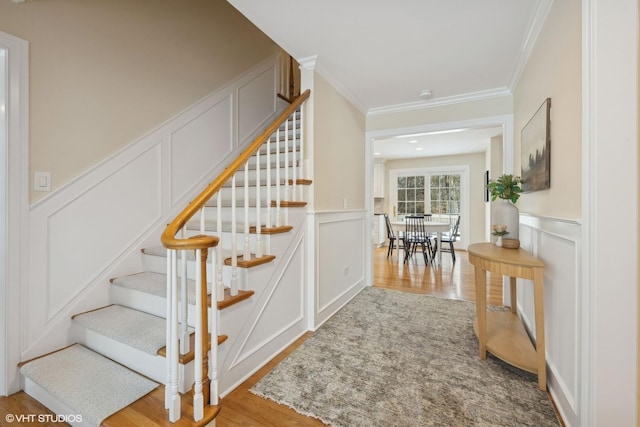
(439,234)
(514,299)
(538,298)
(481,310)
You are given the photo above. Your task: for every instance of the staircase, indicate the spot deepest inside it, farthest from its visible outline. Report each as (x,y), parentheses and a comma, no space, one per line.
(148,358)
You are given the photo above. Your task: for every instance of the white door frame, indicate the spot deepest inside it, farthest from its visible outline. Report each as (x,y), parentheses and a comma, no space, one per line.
(15,219)
(506,121)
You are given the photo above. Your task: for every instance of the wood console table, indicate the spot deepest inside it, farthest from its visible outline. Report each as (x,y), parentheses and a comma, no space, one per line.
(502,332)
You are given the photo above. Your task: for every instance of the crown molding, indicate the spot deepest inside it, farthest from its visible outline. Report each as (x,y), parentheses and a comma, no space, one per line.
(312,63)
(535,28)
(437,102)
(308,62)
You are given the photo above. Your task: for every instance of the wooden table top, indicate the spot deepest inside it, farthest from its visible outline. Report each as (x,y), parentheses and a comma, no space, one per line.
(491,252)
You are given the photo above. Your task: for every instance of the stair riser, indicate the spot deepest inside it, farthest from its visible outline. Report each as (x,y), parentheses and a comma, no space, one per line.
(51,402)
(157,264)
(273,160)
(291,145)
(263,177)
(286,193)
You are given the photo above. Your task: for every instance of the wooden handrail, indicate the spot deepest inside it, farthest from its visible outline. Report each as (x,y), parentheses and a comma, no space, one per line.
(169,239)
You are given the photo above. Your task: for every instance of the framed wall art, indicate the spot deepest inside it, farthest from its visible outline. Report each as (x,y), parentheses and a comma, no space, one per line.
(536,150)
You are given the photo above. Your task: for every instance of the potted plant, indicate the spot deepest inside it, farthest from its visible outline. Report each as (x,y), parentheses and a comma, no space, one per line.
(505,213)
(505,187)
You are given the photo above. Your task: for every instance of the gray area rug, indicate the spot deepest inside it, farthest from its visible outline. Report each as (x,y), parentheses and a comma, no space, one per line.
(391,358)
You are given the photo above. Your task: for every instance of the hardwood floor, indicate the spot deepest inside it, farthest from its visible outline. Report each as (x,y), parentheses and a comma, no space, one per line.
(242,408)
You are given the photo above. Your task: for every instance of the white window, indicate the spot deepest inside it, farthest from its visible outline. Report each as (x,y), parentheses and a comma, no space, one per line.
(438,191)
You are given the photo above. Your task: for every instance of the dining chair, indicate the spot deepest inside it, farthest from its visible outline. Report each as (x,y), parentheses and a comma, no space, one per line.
(392,237)
(449,237)
(415,235)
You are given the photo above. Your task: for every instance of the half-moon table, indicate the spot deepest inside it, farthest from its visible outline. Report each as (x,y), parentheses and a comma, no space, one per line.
(502,332)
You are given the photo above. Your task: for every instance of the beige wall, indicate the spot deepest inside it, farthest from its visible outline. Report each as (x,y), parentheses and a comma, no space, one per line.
(103,73)
(476,163)
(554,70)
(339,150)
(442,114)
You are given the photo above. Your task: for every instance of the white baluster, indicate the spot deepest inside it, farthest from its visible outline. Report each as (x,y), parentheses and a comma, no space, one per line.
(286,159)
(268,175)
(184,332)
(246,252)
(258,207)
(234,242)
(213,356)
(278,180)
(219,260)
(198,398)
(167,390)
(294,194)
(213,330)
(301,169)
(173,401)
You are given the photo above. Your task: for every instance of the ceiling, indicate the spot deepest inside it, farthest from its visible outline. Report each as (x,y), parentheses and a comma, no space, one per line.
(381,54)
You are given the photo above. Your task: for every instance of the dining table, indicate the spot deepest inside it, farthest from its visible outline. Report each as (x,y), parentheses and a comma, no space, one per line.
(429,227)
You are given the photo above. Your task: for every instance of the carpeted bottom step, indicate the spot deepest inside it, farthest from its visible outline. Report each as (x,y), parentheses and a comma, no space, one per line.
(87,383)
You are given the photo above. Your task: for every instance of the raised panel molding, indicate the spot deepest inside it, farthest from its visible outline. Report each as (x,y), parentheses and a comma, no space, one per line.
(339,257)
(557,242)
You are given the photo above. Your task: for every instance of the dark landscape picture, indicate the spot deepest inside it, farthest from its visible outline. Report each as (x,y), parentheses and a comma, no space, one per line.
(536,147)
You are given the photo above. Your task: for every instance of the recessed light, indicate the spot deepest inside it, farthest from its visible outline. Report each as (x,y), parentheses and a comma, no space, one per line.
(413,141)
(418,148)
(377,154)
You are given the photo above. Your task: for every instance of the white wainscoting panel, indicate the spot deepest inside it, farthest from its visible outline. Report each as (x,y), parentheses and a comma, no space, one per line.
(255,103)
(339,260)
(557,243)
(194,145)
(106,235)
(92,229)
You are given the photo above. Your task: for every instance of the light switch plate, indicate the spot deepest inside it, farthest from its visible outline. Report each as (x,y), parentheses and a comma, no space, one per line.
(42,181)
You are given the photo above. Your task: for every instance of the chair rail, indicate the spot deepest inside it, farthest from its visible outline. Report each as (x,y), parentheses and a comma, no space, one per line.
(169,239)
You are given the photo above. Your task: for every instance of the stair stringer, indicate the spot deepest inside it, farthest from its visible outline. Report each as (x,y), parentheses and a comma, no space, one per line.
(275,317)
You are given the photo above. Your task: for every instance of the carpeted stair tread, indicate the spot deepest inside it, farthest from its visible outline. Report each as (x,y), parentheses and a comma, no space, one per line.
(88,383)
(156,284)
(134,328)
(153,283)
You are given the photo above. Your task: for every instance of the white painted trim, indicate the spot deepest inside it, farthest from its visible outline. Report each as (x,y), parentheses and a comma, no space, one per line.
(589,204)
(438,102)
(609,157)
(535,27)
(13,282)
